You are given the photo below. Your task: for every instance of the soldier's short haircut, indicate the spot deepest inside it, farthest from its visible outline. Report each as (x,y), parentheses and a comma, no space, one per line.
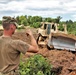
(7,21)
(6,25)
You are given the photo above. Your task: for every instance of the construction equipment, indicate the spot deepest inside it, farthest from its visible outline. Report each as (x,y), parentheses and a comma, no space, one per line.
(50,36)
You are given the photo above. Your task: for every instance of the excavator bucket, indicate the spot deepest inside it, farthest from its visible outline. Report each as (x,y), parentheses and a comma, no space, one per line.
(62,41)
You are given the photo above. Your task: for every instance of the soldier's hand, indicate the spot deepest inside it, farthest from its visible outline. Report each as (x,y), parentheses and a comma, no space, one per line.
(29,33)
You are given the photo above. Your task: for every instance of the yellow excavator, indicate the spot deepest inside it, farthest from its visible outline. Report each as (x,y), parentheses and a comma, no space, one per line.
(49,35)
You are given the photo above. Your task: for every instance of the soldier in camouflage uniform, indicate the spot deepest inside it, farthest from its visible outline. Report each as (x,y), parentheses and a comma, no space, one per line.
(10,49)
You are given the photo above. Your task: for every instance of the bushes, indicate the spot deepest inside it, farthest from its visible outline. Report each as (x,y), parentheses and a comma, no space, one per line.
(36,65)
(60,27)
(36,24)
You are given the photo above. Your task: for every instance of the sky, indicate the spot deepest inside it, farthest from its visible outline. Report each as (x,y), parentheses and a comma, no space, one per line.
(44,8)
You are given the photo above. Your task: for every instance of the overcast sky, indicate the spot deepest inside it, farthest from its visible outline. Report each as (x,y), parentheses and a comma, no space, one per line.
(45,8)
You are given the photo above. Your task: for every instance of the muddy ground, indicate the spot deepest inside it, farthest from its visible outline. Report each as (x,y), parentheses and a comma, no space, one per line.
(64,62)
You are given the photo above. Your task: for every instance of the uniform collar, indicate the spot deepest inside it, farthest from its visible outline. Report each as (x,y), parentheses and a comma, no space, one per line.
(6,36)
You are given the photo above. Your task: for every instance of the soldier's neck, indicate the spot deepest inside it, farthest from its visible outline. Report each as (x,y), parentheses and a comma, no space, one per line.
(7,33)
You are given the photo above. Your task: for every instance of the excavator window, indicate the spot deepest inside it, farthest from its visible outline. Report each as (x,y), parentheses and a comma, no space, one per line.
(53,27)
(48,28)
(45,25)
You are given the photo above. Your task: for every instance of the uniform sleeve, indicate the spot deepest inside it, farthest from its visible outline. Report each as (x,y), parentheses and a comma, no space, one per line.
(22,46)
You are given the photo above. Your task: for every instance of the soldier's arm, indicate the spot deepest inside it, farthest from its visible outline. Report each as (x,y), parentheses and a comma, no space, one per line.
(33,47)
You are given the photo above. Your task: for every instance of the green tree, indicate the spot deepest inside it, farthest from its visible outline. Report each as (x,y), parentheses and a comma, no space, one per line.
(29,19)
(23,20)
(36,25)
(48,19)
(57,20)
(0,22)
(71,27)
(17,18)
(60,27)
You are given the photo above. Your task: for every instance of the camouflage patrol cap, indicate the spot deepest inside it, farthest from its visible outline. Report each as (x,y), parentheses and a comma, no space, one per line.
(10,20)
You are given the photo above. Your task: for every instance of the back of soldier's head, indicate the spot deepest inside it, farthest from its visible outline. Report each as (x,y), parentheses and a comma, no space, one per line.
(7,21)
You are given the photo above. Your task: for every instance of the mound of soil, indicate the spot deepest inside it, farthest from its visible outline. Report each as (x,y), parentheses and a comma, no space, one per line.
(63,61)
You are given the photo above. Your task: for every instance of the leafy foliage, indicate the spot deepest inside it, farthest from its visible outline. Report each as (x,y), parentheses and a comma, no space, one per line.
(36,25)
(61,28)
(71,27)
(0,22)
(36,65)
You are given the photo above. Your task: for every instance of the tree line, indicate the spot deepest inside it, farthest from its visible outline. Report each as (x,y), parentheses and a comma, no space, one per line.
(35,21)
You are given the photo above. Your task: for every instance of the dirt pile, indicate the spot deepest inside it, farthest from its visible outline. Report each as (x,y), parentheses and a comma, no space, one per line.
(63,61)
